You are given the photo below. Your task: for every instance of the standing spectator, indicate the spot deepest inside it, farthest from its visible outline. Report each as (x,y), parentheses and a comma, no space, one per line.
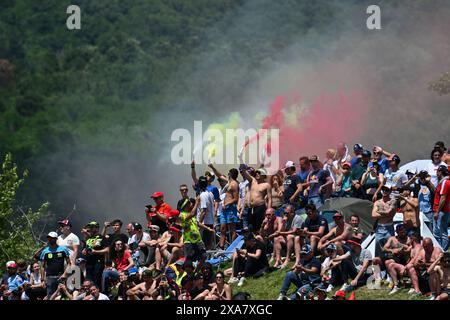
(292,186)
(372,181)
(260,197)
(305,275)
(393,177)
(319,183)
(121,260)
(433,165)
(357,171)
(206,214)
(358,153)
(355,265)
(441,208)
(383,213)
(209,186)
(314,227)
(331,165)
(290,229)
(378,154)
(116,235)
(53,258)
(425,193)
(303,173)
(160,207)
(409,206)
(68,239)
(277,194)
(184,195)
(95,252)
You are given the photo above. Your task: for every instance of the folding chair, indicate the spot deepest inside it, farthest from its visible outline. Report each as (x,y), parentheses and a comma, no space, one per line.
(217,257)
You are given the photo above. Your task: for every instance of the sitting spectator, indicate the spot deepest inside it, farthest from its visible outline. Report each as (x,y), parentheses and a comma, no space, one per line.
(330,271)
(219,290)
(95,294)
(138,246)
(276,185)
(355,265)
(14,282)
(61,293)
(36,289)
(153,252)
(250,261)
(208,273)
(320,293)
(357,231)
(125,283)
(286,235)
(171,244)
(83,292)
(413,265)
(270,225)
(338,235)
(314,227)
(426,270)
(357,171)
(445,267)
(143,290)
(304,275)
(165,289)
(121,260)
(396,253)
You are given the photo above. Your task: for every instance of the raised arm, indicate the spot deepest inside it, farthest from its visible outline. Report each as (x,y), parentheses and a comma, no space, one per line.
(193,173)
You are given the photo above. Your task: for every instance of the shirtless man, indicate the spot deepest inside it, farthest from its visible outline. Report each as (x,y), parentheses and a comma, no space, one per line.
(229,215)
(397,251)
(171,244)
(444,264)
(260,190)
(289,229)
(338,235)
(269,226)
(410,268)
(427,257)
(144,290)
(383,212)
(410,210)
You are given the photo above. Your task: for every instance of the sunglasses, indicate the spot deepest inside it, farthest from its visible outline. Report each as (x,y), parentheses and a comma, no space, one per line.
(337,218)
(219,277)
(183,190)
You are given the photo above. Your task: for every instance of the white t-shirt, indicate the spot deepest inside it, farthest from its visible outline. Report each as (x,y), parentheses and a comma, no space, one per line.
(432,169)
(395,179)
(68,242)
(145,237)
(207,202)
(102,296)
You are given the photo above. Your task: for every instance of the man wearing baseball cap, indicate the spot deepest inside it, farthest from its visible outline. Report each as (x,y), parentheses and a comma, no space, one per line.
(357,172)
(68,239)
(53,258)
(159,213)
(95,251)
(357,151)
(292,185)
(319,182)
(441,207)
(393,177)
(338,235)
(355,265)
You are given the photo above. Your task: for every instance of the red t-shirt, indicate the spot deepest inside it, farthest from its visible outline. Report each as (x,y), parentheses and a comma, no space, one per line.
(443,188)
(122,263)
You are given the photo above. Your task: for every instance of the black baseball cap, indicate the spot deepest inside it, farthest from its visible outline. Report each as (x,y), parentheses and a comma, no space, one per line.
(137,226)
(358,147)
(366,154)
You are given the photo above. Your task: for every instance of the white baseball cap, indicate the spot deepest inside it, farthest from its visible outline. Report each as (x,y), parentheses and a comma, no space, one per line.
(11,264)
(52,234)
(289,164)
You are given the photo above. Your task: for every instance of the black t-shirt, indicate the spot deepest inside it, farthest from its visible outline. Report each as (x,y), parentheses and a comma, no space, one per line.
(196,291)
(290,186)
(161,224)
(113,237)
(180,203)
(314,262)
(263,257)
(314,225)
(97,242)
(54,258)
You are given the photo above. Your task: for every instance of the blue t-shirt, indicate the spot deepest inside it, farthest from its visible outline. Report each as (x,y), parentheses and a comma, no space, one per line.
(303,175)
(210,188)
(316,180)
(354,161)
(314,262)
(314,225)
(54,258)
(425,198)
(384,165)
(15,282)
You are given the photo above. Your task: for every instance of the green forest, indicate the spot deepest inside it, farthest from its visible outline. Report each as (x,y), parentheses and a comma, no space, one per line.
(95,90)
